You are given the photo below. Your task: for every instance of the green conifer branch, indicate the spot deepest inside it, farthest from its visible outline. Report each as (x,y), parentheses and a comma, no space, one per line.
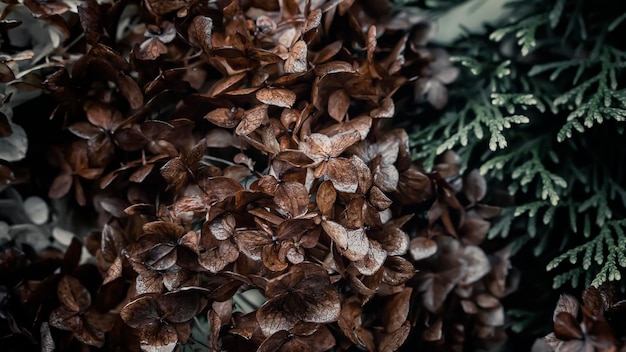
(546,120)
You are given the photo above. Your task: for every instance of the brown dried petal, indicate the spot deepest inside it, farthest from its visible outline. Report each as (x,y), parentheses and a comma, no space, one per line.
(275,342)
(223,227)
(474,230)
(379,199)
(297,58)
(396,310)
(252,120)
(387,109)
(271,259)
(396,242)
(313,20)
(141,312)
(84,130)
(374,259)
(295,157)
(202,32)
(252,242)
(316,146)
(390,342)
(292,198)
(436,287)
(487,301)
(568,304)
(386,178)
(158,338)
(326,197)
(364,176)
(593,302)
(223,117)
(478,264)
(162,7)
(358,245)
(434,332)
(218,189)
(397,271)
(61,185)
(6,74)
(337,233)
(175,173)
(168,229)
(148,280)
(333,67)
(474,186)
(64,319)
(437,94)
(130,90)
(338,104)
(492,317)
(277,97)
(422,247)
(342,141)
(469,307)
(341,172)
(179,307)
(328,52)
(214,255)
(73,295)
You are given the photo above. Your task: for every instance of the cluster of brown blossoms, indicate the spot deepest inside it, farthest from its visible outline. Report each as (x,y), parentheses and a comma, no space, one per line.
(598,324)
(230,147)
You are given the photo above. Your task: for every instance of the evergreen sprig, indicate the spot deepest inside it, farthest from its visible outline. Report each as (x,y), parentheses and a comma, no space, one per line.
(605,251)
(513,113)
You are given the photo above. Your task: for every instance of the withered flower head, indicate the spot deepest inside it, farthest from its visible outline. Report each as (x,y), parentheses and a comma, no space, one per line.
(162,320)
(303,294)
(76,314)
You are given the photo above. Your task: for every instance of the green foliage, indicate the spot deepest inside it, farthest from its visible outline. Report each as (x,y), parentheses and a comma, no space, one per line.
(540,107)
(605,251)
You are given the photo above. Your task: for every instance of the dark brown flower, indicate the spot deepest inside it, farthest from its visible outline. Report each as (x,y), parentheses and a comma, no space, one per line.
(76,314)
(304,294)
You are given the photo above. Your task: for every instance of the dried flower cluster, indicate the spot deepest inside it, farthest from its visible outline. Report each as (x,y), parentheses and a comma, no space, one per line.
(228,147)
(596,325)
